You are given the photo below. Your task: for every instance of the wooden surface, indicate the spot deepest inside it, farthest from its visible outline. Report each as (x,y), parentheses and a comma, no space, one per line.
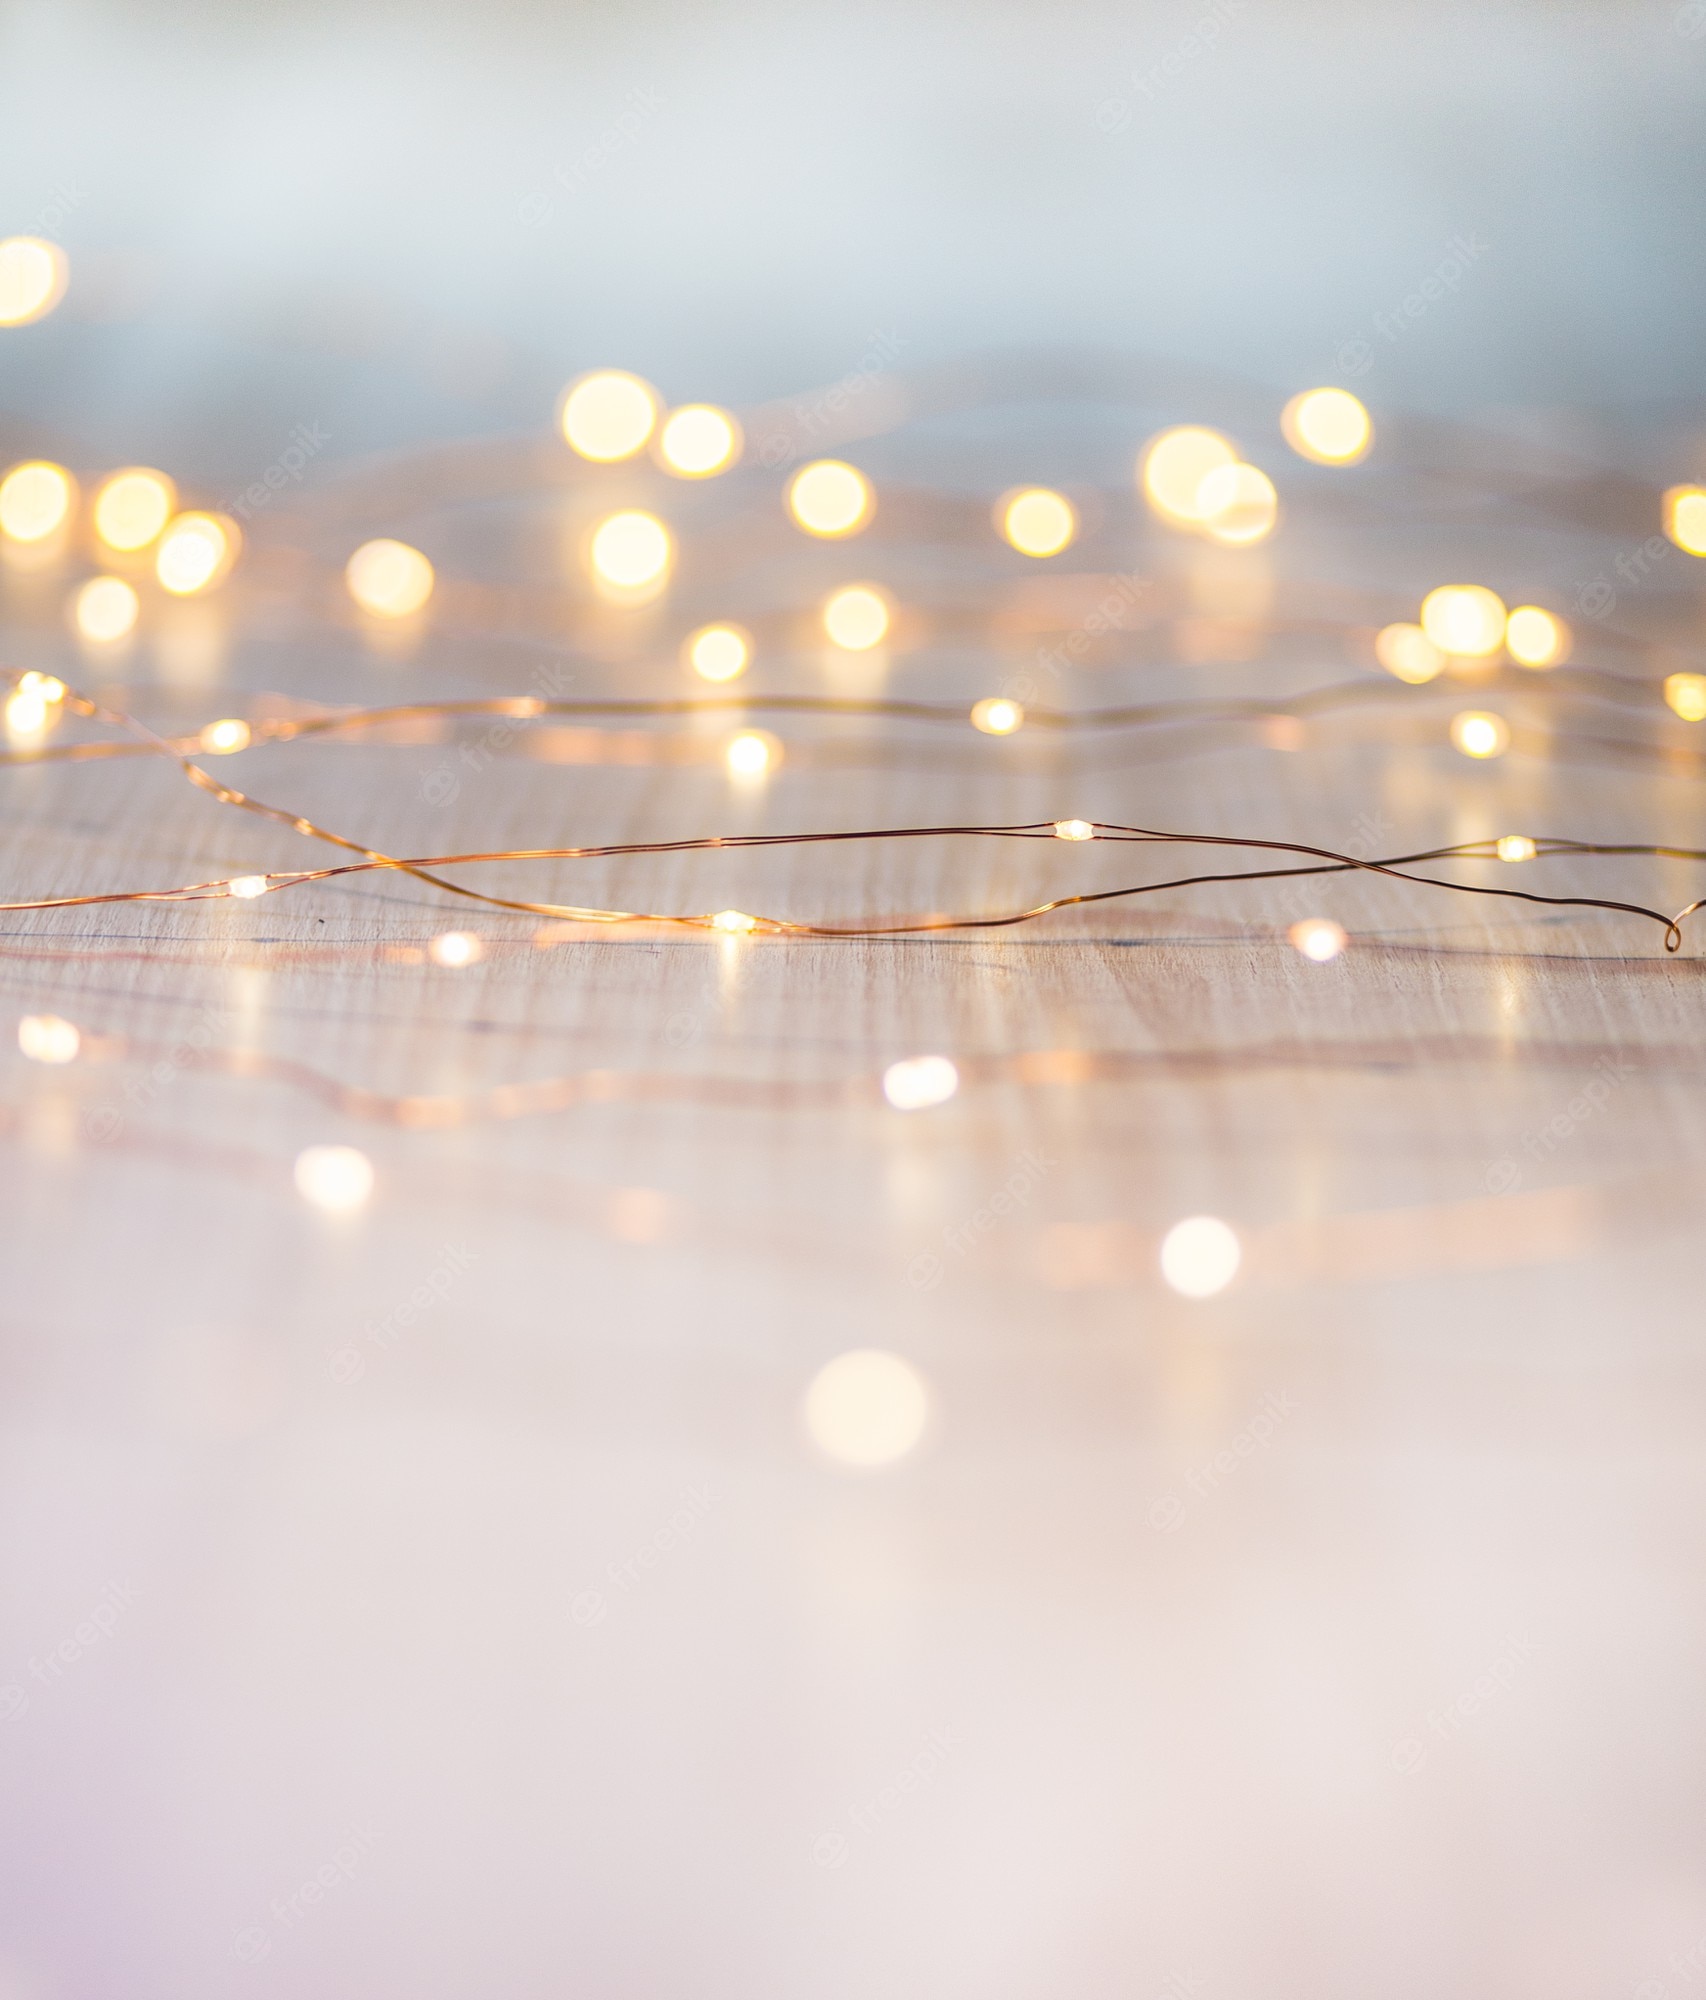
(1337,1634)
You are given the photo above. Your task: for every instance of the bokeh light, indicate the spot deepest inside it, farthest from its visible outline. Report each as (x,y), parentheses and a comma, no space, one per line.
(1478,733)
(225,737)
(1200,1256)
(1330,426)
(33,276)
(36,499)
(1318,938)
(195,553)
(1686,695)
(995,715)
(1685,518)
(105,609)
(752,753)
(718,652)
(608,415)
(1535,638)
(389,579)
(1466,619)
(1238,504)
(133,506)
(337,1179)
(49,1038)
(699,441)
(830,499)
(1174,466)
(919,1082)
(455,949)
(1038,521)
(857,618)
(631,550)
(867,1408)
(1407,652)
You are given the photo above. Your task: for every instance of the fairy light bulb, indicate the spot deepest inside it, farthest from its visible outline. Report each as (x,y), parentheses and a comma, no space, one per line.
(1407,653)
(1238,504)
(1330,426)
(335,1179)
(718,652)
(36,499)
(867,1408)
(1074,829)
(133,506)
(389,579)
(1318,939)
(1200,1256)
(608,416)
(195,553)
(225,737)
(105,609)
(1477,733)
(1466,619)
(1516,847)
(857,618)
(1685,695)
(920,1082)
(698,441)
(1535,638)
(48,1038)
(1038,521)
(246,887)
(735,922)
(830,499)
(1685,518)
(631,550)
(995,715)
(749,755)
(1173,467)
(456,949)
(33,277)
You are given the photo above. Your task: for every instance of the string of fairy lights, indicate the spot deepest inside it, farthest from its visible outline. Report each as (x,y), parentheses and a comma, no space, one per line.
(139,545)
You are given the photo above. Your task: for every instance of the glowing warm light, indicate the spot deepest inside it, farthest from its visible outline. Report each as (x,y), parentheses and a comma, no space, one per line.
(104,609)
(828,498)
(1534,638)
(46,1038)
(1174,467)
(455,949)
(1200,1256)
(133,506)
(196,552)
(1238,504)
(1330,426)
(225,737)
(1074,829)
(1407,652)
(919,1082)
(749,755)
(857,618)
(1516,847)
(35,499)
(699,441)
(1686,694)
(736,921)
(1478,734)
(335,1178)
(33,274)
(1039,522)
(995,715)
(1685,518)
(1318,938)
(47,687)
(245,887)
(28,713)
(867,1408)
(631,550)
(609,416)
(1465,619)
(389,579)
(718,652)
